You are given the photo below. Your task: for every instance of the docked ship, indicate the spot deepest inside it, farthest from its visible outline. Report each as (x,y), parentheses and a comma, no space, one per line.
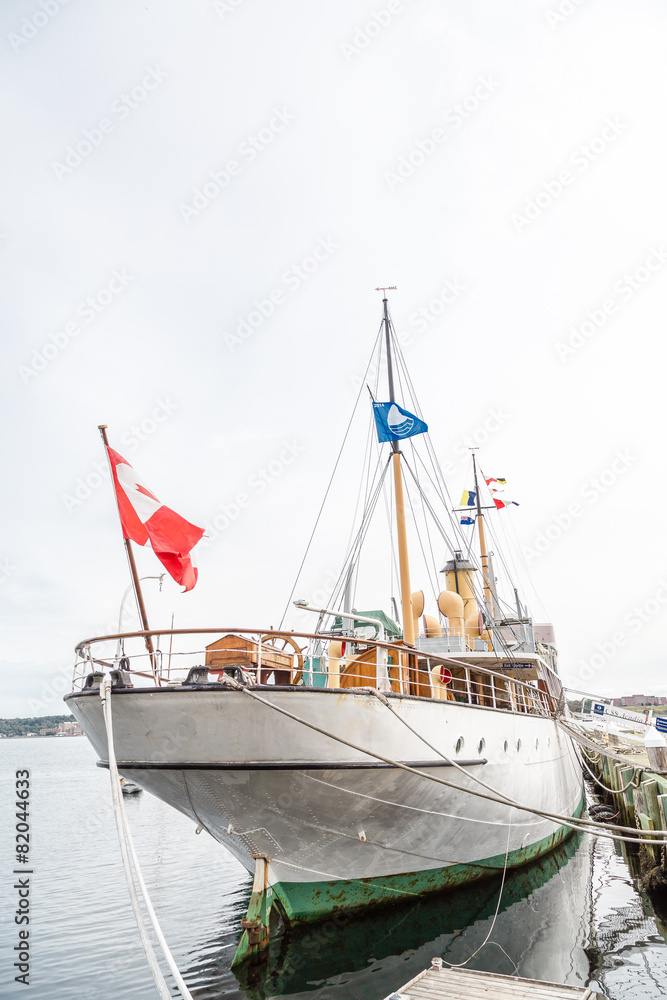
(377,757)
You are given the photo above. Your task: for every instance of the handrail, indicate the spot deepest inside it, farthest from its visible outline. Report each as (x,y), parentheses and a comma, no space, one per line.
(449,633)
(82,649)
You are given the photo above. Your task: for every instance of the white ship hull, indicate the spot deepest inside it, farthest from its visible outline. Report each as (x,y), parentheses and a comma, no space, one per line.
(339,828)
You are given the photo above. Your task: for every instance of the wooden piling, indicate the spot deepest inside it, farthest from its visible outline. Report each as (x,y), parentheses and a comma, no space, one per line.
(626,800)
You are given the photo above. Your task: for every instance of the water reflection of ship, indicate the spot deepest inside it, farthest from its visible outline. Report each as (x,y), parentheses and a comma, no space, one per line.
(541,932)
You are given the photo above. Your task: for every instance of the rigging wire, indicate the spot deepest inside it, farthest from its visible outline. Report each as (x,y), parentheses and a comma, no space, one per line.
(448,504)
(361,534)
(433,564)
(363,485)
(330,483)
(614,791)
(368,488)
(402,367)
(432,581)
(436,479)
(496,526)
(506,549)
(479,594)
(572,822)
(388,497)
(528,577)
(380,488)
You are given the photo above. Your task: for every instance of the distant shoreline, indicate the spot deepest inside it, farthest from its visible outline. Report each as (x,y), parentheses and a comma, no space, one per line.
(38,726)
(51,736)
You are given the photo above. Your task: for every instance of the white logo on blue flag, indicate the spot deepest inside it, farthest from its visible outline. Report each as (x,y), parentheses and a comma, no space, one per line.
(394,423)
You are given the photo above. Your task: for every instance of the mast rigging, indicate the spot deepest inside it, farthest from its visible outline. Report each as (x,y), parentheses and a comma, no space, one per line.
(403,561)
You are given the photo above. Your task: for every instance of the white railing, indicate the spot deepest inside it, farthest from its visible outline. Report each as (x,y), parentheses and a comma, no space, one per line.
(271,657)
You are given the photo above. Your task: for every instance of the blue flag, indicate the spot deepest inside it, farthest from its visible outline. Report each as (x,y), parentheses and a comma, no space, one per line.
(394,423)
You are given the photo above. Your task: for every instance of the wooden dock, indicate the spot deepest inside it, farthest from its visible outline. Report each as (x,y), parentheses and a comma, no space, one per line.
(438,983)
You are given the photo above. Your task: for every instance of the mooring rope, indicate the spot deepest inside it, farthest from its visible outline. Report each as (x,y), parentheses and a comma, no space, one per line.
(614,791)
(584,741)
(574,823)
(459,965)
(450,760)
(127,845)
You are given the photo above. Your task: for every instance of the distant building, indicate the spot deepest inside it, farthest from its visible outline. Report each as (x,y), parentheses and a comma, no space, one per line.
(628,701)
(69,729)
(48,732)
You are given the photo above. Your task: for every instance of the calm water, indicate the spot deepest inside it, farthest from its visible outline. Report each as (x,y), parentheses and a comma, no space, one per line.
(575,915)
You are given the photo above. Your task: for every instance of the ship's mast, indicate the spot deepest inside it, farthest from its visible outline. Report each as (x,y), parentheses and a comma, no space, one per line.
(482,540)
(404,566)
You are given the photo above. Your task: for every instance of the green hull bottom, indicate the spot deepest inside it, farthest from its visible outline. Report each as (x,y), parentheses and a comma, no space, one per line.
(304,902)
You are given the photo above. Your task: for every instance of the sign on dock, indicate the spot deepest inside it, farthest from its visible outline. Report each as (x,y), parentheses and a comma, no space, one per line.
(661,724)
(438,983)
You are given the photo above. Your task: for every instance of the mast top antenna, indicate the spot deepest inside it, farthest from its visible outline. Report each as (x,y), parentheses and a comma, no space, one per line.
(387,288)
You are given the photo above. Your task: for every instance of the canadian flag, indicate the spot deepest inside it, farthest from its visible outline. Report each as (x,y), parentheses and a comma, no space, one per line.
(144,519)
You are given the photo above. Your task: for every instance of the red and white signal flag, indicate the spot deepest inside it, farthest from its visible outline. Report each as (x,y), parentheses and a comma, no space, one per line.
(144,519)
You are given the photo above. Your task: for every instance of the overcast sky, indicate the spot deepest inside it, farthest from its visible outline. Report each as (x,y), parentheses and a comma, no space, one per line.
(172,171)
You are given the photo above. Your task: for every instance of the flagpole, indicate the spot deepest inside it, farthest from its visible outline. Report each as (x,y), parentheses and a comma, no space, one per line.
(402,537)
(143,617)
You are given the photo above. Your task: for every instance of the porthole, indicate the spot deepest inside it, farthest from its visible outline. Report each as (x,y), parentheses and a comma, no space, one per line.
(459,745)
(480,746)
(505,746)
(518,745)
